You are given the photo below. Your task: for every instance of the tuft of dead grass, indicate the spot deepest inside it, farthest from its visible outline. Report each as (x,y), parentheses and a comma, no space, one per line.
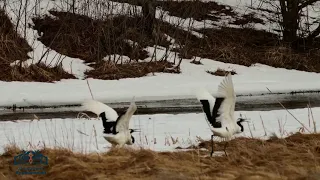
(111,71)
(294,157)
(247,18)
(221,72)
(197,10)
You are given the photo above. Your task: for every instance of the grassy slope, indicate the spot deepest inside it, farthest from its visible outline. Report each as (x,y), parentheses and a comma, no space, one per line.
(296,157)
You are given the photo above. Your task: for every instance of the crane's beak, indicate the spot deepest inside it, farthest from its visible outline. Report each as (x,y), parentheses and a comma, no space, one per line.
(247,120)
(135,130)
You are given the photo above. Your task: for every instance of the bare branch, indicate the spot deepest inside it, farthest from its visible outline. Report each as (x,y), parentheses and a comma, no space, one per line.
(283,7)
(314,33)
(306,3)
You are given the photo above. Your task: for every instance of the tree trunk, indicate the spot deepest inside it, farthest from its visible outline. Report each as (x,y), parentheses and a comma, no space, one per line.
(290,19)
(149,15)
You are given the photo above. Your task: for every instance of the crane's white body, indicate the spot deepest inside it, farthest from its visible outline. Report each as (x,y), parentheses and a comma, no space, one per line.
(229,125)
(121,134)
(219,111)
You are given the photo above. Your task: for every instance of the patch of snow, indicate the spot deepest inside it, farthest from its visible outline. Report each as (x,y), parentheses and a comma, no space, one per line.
(161,132)
(248,80)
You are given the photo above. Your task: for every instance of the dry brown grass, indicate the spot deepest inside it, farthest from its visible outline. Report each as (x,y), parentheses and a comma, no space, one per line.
(248,46)
(35,72)
(221,72)
(296,157)
(109,70)
(12,48)
(197,10)
(91,40)
(189,9)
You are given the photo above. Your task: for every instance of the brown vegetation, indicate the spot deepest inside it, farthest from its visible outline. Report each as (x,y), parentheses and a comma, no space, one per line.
(91,40)
(197,10)
(12,48)
(295,157)
(35,72)
(248,46)
(81,37)
(243,46)
(221,72)
(109,70)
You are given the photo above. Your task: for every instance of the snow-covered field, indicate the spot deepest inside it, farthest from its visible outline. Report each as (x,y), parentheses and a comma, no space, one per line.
(161,132)
(161,86)
(158,132)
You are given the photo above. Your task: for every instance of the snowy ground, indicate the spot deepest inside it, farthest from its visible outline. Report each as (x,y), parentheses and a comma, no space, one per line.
(161,132)
(161,86)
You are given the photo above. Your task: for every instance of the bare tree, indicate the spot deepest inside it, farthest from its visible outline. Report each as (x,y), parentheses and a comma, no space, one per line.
(291,12)
(149,15)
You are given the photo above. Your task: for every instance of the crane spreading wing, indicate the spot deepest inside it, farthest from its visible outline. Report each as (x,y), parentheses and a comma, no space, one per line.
(107,114)
(123,120)
(209,107)
(227,107)
(104,111)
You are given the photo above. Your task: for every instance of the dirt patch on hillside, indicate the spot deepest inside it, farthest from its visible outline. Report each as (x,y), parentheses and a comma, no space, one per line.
(296,157)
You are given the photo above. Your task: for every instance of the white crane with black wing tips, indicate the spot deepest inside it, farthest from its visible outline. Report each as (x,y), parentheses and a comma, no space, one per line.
(116,127)
(219,113)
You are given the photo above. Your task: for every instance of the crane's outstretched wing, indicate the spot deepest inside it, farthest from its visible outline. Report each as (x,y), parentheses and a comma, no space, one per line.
(104,111)
(210,107)
(123,120)
(107,114)
(228,100)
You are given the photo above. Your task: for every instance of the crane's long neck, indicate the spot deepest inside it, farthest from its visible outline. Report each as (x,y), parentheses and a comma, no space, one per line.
(239,123)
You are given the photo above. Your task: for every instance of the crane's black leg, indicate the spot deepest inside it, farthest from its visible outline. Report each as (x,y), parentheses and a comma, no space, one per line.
(211,145)
(225,147)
